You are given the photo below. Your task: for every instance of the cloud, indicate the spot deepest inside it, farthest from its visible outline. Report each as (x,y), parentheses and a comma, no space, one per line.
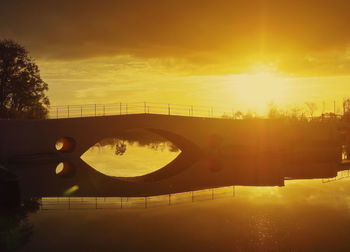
(215,36)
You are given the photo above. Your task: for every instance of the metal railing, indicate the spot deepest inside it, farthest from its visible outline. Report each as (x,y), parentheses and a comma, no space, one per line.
(110,109)
(71,203)
(95,110)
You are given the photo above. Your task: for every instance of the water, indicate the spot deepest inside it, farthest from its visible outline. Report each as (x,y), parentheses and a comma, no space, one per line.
(304,215)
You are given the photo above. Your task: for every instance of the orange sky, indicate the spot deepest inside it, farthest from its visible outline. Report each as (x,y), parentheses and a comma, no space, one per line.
(241,53)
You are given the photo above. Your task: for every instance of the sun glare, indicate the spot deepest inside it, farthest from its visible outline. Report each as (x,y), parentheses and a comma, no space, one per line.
(257,89)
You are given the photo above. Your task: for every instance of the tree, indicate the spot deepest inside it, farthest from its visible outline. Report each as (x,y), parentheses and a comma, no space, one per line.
(248,115)
(238,115)
(312,107)
(273,112)
(22,91)
(120,148)
(346,109)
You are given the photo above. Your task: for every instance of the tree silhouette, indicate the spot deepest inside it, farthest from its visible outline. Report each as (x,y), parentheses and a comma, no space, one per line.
(22,91)
(273,111)
(238,115)
(312,107)
(120,148)
(346,109)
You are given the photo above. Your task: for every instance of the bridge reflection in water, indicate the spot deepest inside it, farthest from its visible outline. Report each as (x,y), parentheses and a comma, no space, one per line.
(80,203)
(87,187)
(71,203)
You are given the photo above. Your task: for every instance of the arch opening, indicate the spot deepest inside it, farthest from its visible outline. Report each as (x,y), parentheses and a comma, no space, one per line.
(65,170)
(65,144)
(131,153)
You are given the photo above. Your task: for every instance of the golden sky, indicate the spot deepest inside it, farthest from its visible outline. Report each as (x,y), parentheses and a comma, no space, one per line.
(241,53)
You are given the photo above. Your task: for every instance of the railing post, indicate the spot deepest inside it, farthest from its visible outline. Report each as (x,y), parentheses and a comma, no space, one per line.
(169,199)
(121,107)
(145,202)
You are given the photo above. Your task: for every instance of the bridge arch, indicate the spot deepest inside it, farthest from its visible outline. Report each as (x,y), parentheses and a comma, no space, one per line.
(190,153)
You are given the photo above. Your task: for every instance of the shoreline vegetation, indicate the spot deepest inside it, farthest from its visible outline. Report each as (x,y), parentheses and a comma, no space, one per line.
(295,112)
(141,138)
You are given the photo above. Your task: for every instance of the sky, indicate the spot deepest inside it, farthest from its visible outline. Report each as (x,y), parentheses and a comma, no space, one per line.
(240,54)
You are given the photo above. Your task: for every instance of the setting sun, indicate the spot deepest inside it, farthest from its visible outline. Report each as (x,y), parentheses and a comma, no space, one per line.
(257,89)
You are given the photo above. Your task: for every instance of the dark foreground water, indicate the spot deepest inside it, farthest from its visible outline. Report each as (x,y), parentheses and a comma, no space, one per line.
(302,216)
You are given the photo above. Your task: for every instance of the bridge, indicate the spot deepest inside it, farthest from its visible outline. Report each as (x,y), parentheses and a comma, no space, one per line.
(214,151)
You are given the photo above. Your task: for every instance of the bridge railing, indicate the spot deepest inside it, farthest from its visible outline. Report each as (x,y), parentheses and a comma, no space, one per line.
(71,203)
(108,109)
(95,110)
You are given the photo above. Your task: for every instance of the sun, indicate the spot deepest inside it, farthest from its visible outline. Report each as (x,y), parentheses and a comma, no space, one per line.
(257,89)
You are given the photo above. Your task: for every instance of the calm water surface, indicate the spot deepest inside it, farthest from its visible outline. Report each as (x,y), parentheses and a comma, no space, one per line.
(305,215)
(302,216)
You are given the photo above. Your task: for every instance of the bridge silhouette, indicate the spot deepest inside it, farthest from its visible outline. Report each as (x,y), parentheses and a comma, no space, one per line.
(214,151)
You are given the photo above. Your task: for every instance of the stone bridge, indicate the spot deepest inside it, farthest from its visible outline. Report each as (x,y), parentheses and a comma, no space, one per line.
(214,152)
